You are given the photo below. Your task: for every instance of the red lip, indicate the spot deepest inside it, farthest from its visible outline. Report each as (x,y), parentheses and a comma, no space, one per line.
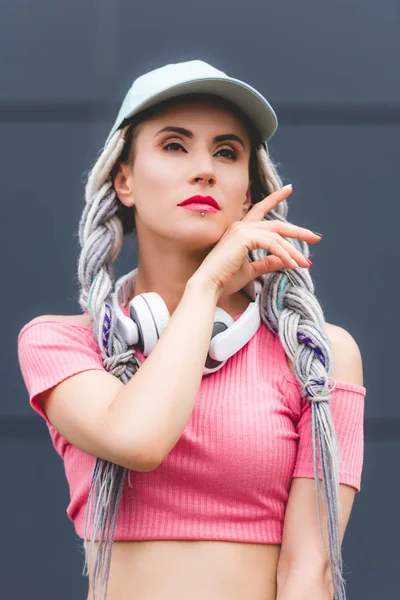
(201,200)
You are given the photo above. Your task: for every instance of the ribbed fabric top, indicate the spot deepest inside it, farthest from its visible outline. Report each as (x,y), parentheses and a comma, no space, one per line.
(228,476)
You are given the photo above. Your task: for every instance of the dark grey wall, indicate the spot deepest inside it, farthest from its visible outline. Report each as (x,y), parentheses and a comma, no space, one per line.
(331,72)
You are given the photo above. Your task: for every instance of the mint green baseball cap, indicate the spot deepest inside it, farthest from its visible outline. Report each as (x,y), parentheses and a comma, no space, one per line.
(196,76)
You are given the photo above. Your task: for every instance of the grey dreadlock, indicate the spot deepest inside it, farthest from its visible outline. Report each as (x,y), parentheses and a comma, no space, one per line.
(288,307)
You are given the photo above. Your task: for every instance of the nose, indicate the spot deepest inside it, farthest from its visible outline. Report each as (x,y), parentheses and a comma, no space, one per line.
(203,177)
(204,172)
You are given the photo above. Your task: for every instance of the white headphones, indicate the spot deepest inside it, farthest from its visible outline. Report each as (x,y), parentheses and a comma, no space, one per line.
(149,316)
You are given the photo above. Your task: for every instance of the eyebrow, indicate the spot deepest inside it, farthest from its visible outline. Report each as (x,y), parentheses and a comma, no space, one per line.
(218,138)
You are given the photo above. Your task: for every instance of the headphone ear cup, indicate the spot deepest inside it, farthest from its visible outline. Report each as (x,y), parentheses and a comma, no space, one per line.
(151,316)
(222,322)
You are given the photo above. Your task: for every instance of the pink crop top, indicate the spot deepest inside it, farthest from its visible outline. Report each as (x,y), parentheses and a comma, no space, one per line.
(228,476)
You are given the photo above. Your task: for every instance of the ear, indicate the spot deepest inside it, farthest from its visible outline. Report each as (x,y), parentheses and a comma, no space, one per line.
(123,185)
(247,203)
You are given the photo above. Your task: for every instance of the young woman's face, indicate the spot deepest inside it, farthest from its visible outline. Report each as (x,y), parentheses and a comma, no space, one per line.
(170,166)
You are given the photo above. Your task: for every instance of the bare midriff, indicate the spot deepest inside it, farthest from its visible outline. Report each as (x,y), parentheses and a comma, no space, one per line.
(191,569)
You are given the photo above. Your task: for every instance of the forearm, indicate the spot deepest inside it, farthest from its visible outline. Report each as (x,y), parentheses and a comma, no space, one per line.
(153,408)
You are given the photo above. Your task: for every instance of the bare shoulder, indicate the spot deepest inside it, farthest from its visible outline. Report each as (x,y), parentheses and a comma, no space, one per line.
(341,340)
(76,319)
(346,355)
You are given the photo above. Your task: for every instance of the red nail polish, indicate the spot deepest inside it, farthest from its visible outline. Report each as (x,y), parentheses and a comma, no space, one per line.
(309,261)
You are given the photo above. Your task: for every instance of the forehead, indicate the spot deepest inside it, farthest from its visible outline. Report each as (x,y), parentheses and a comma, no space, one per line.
(203,111)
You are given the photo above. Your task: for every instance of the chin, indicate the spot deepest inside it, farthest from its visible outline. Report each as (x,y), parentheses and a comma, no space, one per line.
(197,240)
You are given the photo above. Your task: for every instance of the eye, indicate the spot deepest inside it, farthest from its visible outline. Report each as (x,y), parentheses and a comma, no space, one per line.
(173,144)
(232,153)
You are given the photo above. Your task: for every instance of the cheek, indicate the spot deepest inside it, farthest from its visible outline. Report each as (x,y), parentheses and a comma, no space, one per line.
(237,181)
(153,174)
(154,187)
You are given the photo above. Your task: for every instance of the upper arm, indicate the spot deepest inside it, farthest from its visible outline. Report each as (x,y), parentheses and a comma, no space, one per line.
(301,533)
(69,388)
(302,547)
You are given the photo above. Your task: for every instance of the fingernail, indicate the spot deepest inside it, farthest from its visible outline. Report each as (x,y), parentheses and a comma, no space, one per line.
(309,261)
(316,233)
(287,186)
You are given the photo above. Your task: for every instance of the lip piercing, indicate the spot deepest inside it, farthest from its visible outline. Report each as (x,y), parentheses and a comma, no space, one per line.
(202,214)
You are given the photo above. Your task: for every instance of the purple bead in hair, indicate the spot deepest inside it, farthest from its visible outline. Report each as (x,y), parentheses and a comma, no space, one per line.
(106,327)
(303,338)
(309,386)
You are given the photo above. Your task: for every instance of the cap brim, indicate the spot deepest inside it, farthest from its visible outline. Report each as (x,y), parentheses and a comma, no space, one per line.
(248,99)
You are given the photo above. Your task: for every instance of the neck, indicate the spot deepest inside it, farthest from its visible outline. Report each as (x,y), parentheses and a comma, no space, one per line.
(233,304)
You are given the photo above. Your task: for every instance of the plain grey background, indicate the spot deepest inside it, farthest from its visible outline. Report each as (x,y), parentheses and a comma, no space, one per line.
(330,69)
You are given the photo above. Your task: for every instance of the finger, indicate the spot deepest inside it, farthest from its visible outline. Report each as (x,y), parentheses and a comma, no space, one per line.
(294,252)
(289,230)
(267,264)
(277,248)
(260,209)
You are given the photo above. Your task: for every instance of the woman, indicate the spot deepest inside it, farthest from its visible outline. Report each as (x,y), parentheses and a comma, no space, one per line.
(220,453)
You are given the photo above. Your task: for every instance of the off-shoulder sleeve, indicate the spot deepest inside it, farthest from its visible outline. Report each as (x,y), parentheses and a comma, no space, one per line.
(49,351)
(347,408)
